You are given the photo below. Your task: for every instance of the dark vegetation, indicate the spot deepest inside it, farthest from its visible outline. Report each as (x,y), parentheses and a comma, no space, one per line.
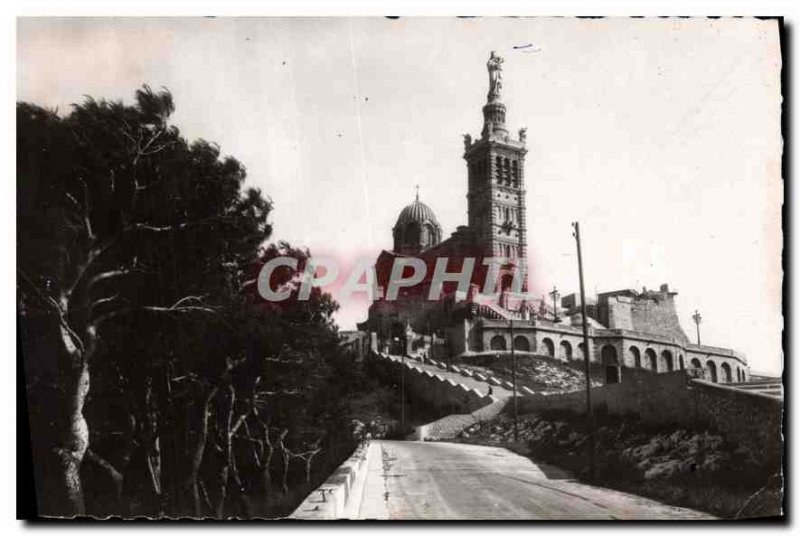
(158,383)
(696,469)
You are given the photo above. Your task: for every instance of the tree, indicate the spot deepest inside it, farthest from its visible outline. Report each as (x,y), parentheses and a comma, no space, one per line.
(137,259)
(121,223)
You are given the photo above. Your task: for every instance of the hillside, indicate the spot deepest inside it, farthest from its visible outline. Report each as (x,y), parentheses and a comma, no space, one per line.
(540,374)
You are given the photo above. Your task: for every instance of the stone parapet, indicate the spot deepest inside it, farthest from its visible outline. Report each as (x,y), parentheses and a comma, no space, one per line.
(344,486)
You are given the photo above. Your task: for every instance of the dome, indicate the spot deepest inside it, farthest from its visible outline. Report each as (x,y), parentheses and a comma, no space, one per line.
(416,212)
(416,229)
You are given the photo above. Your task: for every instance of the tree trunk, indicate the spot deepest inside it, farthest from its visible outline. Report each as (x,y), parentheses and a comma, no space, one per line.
(74,442)
(265,470)
(224,471)
(197,458)
(286,458)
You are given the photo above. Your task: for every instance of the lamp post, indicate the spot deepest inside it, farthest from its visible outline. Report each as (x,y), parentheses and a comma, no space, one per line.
(577,234)
(513,376)
(397,341)
(555,296)
(403,387)
(697,319)
(430,339)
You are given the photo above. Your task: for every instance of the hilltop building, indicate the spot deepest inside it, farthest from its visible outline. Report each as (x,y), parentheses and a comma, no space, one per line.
(629,331)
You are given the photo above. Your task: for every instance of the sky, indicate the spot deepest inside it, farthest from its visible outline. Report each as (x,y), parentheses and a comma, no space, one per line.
(660,136)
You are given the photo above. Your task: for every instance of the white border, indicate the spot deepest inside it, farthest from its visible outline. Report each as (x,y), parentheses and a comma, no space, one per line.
(790,9)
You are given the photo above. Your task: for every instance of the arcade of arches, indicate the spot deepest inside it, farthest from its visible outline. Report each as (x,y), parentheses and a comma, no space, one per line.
(666,361)
(613,364)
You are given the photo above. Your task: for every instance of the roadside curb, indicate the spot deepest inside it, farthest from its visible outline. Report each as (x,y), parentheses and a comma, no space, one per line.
(330,500)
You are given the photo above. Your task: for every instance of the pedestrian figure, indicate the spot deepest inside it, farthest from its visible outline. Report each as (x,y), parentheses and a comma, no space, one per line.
(490,391)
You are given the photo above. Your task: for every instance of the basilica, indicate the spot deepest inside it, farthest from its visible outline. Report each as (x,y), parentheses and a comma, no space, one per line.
(630,331)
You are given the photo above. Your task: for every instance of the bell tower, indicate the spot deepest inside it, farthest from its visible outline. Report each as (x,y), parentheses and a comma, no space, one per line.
(496,175)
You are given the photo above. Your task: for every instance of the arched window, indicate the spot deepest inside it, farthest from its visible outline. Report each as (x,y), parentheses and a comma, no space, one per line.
(666,361)
(727,376)
(582,350)
(505,281)
(566,350)
(611,364)
(549,348)
(425,238)
(651,359)
(521,343)
(712,371)
(498,342)
(636,356)
(411,235)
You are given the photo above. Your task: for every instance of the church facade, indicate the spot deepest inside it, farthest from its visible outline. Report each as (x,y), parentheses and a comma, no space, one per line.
(630,332)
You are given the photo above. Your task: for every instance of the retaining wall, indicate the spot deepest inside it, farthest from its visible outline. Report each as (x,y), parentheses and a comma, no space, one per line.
(747,418)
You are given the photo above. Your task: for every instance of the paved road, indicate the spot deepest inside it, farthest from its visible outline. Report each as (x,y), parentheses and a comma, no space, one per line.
(416,480)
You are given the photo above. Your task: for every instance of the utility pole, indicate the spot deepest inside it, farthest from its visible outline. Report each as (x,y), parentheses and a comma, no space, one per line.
(697,319)
(577,234)
(513,376)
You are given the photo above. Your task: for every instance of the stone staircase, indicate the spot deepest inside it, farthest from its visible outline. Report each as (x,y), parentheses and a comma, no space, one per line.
(771,387)
(496,312)
(450,426)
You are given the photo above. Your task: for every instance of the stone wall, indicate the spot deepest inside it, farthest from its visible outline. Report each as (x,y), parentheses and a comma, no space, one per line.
(619,313)
(657,316)
(650,312)
(342,489)
(744,417)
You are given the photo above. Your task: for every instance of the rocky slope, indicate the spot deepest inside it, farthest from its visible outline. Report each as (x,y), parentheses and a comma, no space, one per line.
(539,374)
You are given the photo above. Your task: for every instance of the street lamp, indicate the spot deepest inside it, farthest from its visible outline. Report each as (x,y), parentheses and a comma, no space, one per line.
(513,376)
(398,341)
(555,296)
(697,319)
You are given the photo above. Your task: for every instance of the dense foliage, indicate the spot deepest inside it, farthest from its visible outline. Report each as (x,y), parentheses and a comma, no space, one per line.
(158,384)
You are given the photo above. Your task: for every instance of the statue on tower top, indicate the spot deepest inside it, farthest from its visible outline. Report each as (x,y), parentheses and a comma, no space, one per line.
(495,66)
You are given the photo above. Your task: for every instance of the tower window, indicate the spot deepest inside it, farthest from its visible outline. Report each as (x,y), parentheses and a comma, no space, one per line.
(514,174)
